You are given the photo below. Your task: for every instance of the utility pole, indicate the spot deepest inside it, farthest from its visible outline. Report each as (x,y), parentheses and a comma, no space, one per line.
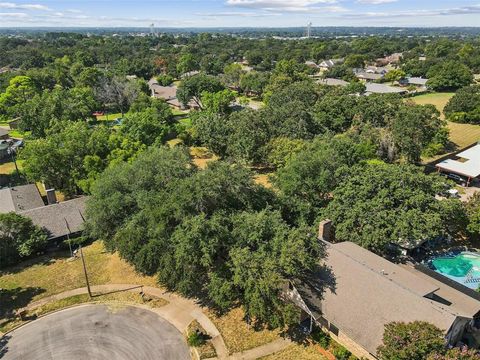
(85,272)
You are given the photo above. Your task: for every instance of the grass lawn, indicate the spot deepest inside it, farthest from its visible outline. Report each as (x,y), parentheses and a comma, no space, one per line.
(297,351)
(111,117)
(461,135)
(177,112)
(464,134)
(437,99)
(263,179)
(47,275)
(238,336)
(8,167)
(17,134)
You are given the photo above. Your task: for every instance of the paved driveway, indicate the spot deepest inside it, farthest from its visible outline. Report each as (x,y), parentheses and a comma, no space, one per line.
(96,332)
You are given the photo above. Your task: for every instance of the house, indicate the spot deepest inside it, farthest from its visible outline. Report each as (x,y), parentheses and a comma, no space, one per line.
(390,59)
(311,64)
(354,293)
(60,220)
(376,70)
(4,134)
(189,74)
(169,94)
(328,64)
(373,88)
(20,198)
(366,76)
(333,82)
(465,164)
(418,82)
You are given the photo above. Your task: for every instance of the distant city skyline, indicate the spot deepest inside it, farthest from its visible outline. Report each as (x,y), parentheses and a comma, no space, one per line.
(239,13)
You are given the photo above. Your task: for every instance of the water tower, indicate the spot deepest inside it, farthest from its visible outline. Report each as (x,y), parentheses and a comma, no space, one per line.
(309,30)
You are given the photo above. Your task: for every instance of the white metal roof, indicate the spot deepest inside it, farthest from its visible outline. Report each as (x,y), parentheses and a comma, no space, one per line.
(469,166)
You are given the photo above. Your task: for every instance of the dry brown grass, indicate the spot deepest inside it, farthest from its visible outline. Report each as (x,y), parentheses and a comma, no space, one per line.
(113,299)
(298,352)
(239,336)
(263,179)
(55,274)
(463,135)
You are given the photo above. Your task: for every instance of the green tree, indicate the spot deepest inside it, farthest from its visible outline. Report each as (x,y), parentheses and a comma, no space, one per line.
(395,75)
(410,341)
(449,75)
(193,87)
(379,204)
(413,128)
(473,212)
(281,150)
(232,74)
(456,354)
(60,159)
(307,180)
(186,63)
(148,126)
(464,106)
(219,102)
(18,238)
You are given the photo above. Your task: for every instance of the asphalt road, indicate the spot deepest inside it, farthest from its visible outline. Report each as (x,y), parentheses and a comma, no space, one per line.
(95,332)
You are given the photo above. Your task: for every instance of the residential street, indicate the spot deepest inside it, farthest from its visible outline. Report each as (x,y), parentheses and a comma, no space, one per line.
(96,332)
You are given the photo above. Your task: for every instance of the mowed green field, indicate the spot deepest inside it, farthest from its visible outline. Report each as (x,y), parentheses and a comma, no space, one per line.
(461,135)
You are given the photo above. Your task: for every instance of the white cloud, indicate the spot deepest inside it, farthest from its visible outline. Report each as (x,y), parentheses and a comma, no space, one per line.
(465,10)
(13,15)
(285,5)
(375,2)
(9,5)
(233,14)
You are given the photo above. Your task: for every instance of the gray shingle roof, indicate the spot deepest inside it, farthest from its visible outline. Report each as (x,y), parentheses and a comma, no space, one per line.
(333,82)
(364,292)
(20,198)
(60,219)
(372,88)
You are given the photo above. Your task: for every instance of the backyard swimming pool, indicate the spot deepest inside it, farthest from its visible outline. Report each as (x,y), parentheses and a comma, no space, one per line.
(463,267)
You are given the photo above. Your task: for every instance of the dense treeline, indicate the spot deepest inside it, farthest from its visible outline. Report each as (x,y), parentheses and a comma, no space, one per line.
(215,233)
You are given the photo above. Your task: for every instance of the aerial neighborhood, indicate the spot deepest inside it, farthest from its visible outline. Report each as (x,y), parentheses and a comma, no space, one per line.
(239,193)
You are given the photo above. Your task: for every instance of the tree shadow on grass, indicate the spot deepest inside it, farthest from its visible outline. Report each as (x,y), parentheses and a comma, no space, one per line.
(45,259)
(12,300)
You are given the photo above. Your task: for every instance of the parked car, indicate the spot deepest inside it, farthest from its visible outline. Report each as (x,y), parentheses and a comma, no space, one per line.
(457,178)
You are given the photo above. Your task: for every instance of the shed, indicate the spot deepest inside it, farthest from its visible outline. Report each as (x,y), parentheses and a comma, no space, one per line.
(465,163)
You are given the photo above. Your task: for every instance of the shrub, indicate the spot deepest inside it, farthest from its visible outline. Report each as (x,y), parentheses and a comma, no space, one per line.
(322,338)
(165,80)
(196,339)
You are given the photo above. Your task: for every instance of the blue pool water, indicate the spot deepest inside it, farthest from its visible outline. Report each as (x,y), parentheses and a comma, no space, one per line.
(463,267)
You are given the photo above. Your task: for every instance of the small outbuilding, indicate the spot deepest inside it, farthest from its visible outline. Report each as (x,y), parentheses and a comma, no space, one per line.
(465,164)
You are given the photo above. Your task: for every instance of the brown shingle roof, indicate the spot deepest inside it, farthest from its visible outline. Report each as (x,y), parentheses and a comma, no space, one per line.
(60,219)
(360,299)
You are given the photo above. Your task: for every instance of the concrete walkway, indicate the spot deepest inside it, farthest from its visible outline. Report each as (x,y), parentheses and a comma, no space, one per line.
(179,312)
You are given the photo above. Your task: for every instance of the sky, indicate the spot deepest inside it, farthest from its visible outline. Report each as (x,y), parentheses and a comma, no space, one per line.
(239,13)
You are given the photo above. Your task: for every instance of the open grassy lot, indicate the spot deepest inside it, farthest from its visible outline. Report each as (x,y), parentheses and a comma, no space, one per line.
(297,351)
(17,134)
(437,99)
(110,117)
(461,135)
(51,274)
(9,167)
(239,336)
(464,134)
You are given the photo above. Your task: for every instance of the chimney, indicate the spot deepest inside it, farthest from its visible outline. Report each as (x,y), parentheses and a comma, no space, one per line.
(325,231)
(51,197)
